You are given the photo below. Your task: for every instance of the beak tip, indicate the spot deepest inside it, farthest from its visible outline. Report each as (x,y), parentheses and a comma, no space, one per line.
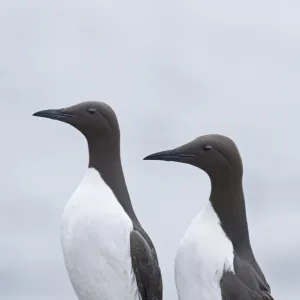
(54,114)
(163,155)
(169,155)
(150,157)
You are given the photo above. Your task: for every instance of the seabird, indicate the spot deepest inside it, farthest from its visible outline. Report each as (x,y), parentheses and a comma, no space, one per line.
(107,253)
(215,260)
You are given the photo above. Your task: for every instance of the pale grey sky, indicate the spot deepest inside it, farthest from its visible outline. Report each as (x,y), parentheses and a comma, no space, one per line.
(172,70)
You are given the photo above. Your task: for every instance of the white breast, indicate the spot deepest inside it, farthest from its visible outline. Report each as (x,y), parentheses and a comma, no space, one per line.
(95,237)
(203,254)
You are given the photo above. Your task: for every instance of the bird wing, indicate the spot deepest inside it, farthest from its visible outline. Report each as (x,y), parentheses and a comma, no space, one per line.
(146,268)
(244,283)
(234,289)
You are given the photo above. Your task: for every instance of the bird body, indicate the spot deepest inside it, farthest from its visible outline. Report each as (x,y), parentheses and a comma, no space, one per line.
(204,253)
(95,237)
(215,260)
(108,255)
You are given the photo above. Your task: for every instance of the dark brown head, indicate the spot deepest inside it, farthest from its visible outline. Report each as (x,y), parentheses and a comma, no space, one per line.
(215,154)
(97,122)
(93,119)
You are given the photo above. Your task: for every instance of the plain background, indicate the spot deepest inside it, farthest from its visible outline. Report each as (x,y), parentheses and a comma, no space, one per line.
(172,70)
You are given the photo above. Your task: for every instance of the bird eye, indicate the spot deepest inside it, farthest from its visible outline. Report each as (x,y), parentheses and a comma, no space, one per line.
(91,110)
(207,148)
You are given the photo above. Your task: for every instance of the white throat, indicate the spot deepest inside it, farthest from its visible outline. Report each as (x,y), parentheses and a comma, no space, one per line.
(95,237)
(204,253)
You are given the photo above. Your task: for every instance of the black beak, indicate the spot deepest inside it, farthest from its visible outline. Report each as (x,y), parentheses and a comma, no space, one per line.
(169,155)
(55,114)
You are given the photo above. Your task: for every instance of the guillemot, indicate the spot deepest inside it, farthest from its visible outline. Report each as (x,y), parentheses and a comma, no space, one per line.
(215,260)
(107,253)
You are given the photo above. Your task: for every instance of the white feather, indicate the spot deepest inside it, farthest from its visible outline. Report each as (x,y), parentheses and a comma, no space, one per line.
(203,254)
(95,237)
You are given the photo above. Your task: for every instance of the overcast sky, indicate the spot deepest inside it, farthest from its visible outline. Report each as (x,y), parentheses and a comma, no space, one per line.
(172,70)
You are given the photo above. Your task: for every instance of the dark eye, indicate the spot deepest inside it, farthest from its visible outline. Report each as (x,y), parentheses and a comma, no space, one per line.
(92,110)
(207,148)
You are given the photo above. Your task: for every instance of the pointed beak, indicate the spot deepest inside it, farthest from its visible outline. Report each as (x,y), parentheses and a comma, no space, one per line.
(169,155)
(54,114)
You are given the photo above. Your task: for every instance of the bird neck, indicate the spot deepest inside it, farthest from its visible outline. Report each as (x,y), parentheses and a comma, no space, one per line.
(107,161)
(227,199)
